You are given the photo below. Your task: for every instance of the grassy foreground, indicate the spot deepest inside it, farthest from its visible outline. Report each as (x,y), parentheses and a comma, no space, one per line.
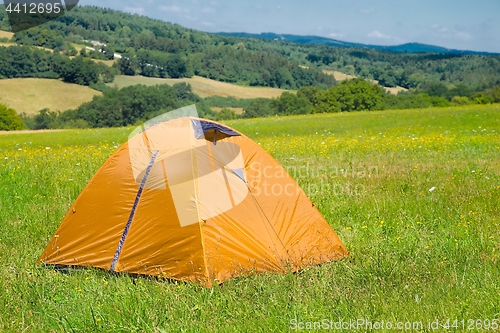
(414,195)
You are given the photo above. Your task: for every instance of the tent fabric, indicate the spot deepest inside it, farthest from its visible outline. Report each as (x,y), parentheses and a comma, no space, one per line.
(173,205)
(201,127)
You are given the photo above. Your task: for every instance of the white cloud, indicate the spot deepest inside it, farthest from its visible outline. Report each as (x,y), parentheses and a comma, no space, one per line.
(378,34)
(207,24)
(367,10)
(208,10)
(445,32)
(134,10)
(336,35)
(174,9)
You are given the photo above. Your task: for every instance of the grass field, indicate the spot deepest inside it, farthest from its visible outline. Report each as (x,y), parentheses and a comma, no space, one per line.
(414,195)
(6,34)
(32,95)
(202,86)
(339,76)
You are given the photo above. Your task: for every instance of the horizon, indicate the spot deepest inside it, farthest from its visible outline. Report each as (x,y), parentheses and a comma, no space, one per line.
(459,25)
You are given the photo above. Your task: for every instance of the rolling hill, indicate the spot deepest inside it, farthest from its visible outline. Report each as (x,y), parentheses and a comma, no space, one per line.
(404,48)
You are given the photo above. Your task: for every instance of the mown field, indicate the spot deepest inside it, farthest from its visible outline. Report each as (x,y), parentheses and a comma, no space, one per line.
(32,95)
(6,34)
(201,86)
(414,195)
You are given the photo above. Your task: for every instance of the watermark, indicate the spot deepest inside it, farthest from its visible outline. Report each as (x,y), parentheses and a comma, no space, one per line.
(359,171)
(207,175)
(320,179)
(364,324)
(180,152)
(25,14)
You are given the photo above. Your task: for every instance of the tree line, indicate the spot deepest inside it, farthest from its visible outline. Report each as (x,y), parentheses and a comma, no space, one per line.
(24,62)
(123,107)
(136,104)
(158,49)
(352,95)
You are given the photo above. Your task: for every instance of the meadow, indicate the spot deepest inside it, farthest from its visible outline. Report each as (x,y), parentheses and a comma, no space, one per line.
(6,34)
(201,86)
(30,95)
(413,194)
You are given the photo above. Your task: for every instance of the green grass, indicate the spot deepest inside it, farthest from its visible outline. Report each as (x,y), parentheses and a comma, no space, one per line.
(415,254)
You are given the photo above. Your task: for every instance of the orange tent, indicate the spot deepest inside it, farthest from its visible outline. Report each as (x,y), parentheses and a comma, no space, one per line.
(193,200)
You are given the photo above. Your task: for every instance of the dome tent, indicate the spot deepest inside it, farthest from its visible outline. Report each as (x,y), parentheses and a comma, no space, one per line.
(193,200)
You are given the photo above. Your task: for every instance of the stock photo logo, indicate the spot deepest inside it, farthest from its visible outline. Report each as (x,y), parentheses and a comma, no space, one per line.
(24,14)
(173,153)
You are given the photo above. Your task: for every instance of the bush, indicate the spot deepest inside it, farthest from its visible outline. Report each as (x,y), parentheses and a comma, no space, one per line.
(460,100)
(10,120)
(352,95)
(45,119)
(226,114)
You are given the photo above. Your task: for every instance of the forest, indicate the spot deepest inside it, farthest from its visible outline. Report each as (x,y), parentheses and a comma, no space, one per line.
(154,48)
(161,49)
(24,61)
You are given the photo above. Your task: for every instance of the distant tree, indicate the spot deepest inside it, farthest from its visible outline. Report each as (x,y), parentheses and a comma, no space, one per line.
(127,64)
(311,93)
(226,114)
(81,71)
(437,89)
(71,51)
(260,107)
(352,95)
(460,90)
(10,120)
(45,119)
(289,104)
(495,94)
(460,100)
(387,80)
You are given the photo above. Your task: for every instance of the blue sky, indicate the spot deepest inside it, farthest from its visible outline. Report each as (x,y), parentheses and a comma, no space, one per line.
(459,24)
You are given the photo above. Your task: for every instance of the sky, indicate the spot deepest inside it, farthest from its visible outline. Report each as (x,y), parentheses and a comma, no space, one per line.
(457,24)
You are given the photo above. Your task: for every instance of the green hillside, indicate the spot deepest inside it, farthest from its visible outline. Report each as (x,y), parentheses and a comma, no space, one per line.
(176,52)
(408,47)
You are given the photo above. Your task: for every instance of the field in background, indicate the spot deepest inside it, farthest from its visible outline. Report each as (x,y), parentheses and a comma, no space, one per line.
(32,95)
(339,76)
(202,86)
(235,110)
(6,34)
(413,194)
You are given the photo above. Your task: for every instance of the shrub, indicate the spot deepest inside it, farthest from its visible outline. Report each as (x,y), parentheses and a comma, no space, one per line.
(10,120)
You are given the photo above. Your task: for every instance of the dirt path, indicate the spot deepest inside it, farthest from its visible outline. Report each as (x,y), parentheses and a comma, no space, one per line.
(31,131)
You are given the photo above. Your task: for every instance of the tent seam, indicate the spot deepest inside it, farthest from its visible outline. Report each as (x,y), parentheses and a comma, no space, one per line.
(202,238)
